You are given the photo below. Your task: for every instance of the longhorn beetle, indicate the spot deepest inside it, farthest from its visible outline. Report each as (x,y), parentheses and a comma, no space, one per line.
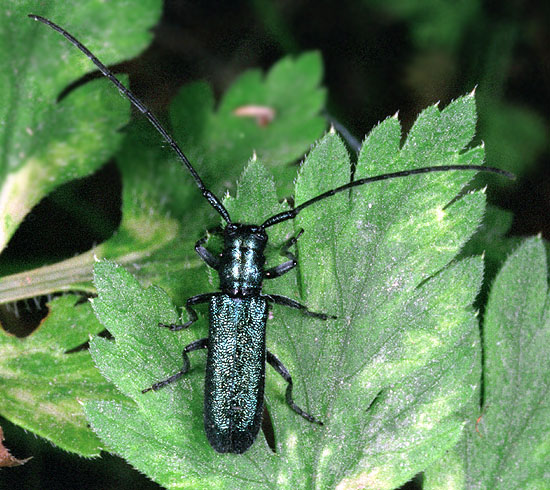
(235,366)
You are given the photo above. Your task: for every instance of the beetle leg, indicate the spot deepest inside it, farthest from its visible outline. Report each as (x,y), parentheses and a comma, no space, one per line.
(194,300)
(196,345)
(283,371)
(206,255)
(283,300)
(283,268)
(280,269)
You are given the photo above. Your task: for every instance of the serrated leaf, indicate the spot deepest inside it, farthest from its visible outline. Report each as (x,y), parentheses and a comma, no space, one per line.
(45,144)
(506,442)
(43,387)
(389,377)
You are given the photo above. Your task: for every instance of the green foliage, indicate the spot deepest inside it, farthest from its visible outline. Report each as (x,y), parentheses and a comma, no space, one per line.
(44,143)
(290,89)
(160,218)
(43,386)
(435,22)
(59,142)
(506,441)
(404,351)
(395,378)
(465,42)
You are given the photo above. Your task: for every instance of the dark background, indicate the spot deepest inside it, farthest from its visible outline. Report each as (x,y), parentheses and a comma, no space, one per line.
(380,57)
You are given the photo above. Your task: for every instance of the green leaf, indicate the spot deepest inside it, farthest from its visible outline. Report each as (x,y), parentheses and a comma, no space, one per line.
(161,218)
(506,443)
(43,385)
(219,139)
(389,377)
(45,143)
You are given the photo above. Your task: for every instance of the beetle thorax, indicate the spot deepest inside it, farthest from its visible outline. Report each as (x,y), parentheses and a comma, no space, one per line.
(242,260)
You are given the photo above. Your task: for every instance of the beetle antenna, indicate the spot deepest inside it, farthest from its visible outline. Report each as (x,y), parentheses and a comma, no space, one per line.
(209,195)
(292,213)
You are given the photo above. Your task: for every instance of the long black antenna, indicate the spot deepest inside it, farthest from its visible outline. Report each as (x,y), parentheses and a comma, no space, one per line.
(210,197)
(292,213)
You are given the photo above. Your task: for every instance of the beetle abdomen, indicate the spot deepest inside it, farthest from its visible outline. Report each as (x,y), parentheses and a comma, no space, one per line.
(235,372)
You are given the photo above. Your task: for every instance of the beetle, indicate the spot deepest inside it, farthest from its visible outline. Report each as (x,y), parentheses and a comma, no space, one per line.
(236,342)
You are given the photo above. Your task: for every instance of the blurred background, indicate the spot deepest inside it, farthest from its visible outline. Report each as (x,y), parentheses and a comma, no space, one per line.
(380,57)
(383,56)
